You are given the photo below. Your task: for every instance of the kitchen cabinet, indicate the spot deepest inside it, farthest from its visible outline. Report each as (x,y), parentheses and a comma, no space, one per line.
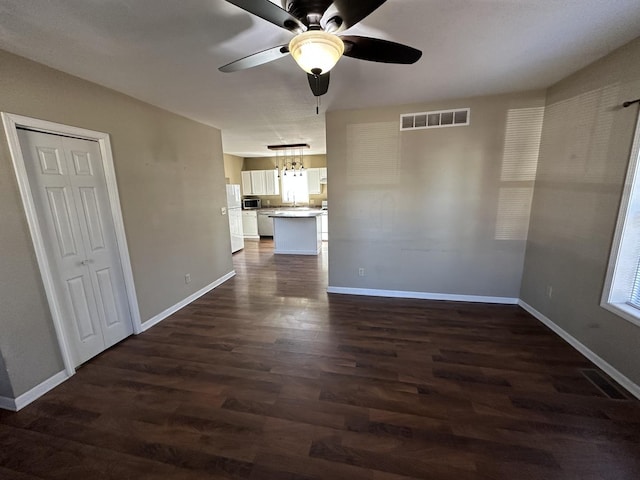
(260,182)
(272,182)
(246,183)
(250,224)
(323,175)
(313,181)
(297,232)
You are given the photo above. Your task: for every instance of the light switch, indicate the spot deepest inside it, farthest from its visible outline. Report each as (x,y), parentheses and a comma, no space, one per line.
(223,210)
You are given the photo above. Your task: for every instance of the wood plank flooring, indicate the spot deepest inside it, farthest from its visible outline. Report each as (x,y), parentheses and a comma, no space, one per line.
(269,377)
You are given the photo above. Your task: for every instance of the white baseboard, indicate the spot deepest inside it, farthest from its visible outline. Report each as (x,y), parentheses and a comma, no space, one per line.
(36,392)
(624,381)
(183,303)
(422,295)
(7,403)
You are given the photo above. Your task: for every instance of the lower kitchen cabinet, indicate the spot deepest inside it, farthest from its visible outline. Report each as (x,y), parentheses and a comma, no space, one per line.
(250,224)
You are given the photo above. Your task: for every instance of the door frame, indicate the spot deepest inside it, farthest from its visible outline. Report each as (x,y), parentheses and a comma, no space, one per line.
(11,123)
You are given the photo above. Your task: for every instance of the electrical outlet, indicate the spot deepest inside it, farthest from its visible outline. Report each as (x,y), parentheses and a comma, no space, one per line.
(223,210)
(549,291)
(361,272)
(187,278)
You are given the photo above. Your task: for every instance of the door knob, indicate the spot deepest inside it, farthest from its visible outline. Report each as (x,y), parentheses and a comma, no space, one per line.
(85,262)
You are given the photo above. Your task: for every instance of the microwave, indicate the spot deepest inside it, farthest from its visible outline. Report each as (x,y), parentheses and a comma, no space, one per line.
(251,203)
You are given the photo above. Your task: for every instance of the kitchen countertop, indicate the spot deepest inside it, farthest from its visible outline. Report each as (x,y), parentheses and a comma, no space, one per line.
(283,208)
(297,213)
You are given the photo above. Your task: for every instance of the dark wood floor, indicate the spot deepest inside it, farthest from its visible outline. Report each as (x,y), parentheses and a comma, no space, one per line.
(268,377)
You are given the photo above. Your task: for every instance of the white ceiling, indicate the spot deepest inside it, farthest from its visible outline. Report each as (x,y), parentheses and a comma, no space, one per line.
(168,52)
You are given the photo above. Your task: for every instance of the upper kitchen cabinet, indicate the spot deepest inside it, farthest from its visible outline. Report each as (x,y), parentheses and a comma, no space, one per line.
(250,224)
(247,189)
(272,182)
(260,182)
(313,179)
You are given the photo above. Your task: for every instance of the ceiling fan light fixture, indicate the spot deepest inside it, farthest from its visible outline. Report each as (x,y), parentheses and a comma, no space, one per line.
(316,51)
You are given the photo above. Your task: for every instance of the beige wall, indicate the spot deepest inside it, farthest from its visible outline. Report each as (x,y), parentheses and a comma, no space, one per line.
(584,155)
(423,216)
(171,181)
(267,163)
(232,168)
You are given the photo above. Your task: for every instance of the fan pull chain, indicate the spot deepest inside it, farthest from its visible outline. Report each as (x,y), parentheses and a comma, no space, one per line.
(317,105)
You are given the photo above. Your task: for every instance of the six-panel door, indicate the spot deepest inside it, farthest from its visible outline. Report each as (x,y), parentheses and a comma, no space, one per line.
(68,186)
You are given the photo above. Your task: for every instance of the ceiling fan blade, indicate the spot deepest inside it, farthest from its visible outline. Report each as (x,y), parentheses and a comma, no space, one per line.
(352,12)
(378,50)
(271,13)
(265,56)
(319,83)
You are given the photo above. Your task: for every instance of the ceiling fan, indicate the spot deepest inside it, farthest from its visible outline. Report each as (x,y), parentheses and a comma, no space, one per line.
(317,45)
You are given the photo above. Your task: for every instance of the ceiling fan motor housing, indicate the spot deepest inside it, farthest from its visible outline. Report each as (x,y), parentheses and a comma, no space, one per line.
(307,11)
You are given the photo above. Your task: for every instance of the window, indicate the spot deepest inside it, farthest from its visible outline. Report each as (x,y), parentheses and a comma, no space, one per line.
(295,189)
(622,286)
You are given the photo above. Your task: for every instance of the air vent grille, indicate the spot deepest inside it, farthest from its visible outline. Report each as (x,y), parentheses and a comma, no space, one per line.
(438,119)
(606,386)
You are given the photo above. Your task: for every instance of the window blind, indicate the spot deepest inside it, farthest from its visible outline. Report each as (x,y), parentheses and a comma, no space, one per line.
(635,292)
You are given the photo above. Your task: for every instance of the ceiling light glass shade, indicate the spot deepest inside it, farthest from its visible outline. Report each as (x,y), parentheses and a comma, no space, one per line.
(316,51)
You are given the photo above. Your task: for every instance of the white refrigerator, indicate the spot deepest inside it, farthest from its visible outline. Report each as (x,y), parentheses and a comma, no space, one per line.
(234,211)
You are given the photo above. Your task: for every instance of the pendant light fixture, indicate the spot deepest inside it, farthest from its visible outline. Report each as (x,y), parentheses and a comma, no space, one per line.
(289,158)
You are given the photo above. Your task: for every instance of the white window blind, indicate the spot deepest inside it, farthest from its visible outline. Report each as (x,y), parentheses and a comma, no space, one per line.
(634,299)
(635,293)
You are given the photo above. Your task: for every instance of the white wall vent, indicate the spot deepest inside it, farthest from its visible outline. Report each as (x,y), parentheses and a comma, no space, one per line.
(441,118)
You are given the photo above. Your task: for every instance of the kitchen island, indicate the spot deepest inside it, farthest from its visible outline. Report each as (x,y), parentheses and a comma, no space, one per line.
(297,232)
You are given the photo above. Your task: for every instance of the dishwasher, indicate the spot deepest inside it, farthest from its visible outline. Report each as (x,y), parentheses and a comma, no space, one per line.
(265,223)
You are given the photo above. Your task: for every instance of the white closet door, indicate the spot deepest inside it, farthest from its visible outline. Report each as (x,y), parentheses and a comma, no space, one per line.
(69,191)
